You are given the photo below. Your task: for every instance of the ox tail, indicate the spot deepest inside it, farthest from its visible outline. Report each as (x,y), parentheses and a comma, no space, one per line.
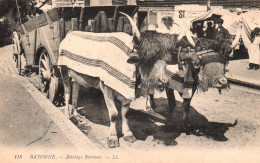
(234,124)
(231,124)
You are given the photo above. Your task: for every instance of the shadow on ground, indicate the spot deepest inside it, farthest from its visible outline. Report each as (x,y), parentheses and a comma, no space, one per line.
(147,124)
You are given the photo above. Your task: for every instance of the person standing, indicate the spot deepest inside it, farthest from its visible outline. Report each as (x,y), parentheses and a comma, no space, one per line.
(254,52)
(209,31)
(221,32)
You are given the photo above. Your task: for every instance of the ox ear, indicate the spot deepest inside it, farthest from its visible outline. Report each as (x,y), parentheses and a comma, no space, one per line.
(133,59)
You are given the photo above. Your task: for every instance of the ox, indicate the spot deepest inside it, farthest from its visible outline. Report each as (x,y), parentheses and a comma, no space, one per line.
(81,78)
(203,62)
(204,67)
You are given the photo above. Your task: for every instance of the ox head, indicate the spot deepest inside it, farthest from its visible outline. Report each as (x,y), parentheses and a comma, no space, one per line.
(155,50)
(150,62)
(208,58)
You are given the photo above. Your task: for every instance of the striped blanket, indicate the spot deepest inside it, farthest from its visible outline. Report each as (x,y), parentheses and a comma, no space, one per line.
(180,80)
(102,55)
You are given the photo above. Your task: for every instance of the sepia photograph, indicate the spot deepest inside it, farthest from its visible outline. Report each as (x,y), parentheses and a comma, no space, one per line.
(130,81)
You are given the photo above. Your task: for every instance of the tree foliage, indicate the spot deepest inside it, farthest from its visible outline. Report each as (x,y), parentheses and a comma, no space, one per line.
(5,33)
(6,5)
(10,23)
(25,7)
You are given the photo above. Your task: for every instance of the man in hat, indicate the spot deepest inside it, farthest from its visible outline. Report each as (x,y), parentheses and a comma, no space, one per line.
(254,53)
(254,33)
(209,31)
(221,32)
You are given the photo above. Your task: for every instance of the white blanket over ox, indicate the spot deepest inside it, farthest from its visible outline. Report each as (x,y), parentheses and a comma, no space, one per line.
(102,55)
(178,81)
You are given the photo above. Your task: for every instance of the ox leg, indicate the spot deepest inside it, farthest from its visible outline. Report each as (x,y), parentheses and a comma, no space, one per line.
(128,135)
(75,95)
(171,100)
(148,103)
(186,121)
(152,102)
(171,104)
(67,89)
(113,115)
(186,107)
(145,93)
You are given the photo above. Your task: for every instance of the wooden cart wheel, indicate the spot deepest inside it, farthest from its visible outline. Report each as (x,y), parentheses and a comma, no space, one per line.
(18,54)
(49,82)
(19,64)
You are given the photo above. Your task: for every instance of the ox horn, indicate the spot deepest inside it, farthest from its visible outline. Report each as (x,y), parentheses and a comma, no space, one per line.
(190,38)
(181,35)
(135,30)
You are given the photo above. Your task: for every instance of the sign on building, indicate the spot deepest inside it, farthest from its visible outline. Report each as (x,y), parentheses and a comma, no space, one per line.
(185,13)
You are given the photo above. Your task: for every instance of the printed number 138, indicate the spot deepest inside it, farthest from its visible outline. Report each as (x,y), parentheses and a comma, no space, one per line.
(18,156)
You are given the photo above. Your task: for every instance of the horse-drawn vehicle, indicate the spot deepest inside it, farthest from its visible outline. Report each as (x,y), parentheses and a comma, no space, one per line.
(36,42)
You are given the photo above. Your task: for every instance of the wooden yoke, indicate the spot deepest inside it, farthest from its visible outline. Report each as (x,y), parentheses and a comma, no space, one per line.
(115,19)
(101,24)
(81,19)
(62,25)
(74,24)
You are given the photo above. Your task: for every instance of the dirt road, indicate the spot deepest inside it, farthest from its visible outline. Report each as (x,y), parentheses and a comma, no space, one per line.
(212,116)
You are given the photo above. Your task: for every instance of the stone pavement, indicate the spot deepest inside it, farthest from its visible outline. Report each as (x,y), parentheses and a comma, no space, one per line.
(24,124)
(7,64)
(238,73)
(28,119)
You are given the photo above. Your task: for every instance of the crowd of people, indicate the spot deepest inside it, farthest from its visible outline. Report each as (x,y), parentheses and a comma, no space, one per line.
(214,30)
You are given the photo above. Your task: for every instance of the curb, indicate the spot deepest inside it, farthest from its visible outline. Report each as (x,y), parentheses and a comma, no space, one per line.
(242,82)
(79,140)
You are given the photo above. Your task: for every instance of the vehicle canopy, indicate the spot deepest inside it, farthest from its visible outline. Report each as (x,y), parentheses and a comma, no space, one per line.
(231,20)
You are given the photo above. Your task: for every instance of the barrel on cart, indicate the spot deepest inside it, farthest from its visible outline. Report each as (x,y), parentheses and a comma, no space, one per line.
(36,42)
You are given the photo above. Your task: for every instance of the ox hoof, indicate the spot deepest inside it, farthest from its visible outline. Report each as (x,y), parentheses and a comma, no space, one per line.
(220,137)
(80,119)
(112,143)
(154,106)
(169,120)
(130,139)
(69,116)
(148,108)
(187,129)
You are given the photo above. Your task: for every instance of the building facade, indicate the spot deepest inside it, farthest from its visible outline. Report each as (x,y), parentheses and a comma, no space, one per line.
(155,12)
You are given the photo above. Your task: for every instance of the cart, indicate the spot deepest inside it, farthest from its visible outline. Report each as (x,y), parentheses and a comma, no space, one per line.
(37,40)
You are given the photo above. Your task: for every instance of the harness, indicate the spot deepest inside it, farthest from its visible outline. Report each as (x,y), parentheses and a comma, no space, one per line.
(196,60)
(200,58)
